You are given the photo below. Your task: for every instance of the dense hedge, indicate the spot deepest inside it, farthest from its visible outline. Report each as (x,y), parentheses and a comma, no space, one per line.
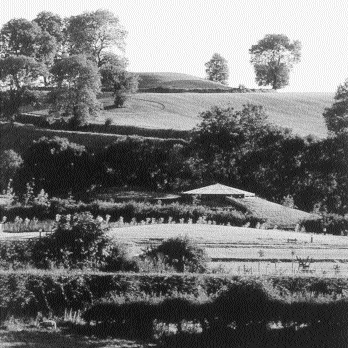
(328,223)
(19,137)
(161,89)
(27,292)
(42,122)
(140,211)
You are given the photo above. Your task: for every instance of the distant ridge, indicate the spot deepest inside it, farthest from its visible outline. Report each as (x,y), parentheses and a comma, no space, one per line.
(175,81)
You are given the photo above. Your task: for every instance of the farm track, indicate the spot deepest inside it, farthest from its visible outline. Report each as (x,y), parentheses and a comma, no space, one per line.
(162,106)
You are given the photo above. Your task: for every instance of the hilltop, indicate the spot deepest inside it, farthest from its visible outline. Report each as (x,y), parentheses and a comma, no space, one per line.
(175,81)
(299,111)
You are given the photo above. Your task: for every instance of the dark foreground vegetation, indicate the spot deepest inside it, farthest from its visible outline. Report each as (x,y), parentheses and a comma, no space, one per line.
(194,310)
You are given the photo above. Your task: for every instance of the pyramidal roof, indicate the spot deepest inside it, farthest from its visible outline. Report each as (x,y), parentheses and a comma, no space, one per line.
(219,189)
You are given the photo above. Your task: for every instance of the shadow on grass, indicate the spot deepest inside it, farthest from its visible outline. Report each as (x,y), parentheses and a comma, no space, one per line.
(285,338)
(62,339)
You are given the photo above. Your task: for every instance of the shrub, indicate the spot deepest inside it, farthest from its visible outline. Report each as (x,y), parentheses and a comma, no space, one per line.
(180,253)
(332,223)
(15,254)
(80,241)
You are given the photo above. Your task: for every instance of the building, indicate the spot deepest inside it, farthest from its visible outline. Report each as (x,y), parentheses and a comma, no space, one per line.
(224,196)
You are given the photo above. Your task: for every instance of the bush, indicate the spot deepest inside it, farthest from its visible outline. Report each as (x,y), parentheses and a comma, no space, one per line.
(181,254)
(16,254)
(332,223)
(80,241)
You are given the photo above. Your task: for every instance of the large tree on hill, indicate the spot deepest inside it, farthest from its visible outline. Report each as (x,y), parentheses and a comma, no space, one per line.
(120,81)
(78,83)
(52,24)
(18,75)
(20,37)
(217,69)
(336,117)
(273,58)
(94,33)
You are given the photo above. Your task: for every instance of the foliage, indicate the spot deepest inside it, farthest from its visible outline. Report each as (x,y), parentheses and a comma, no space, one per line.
(16,254)
(217,69)
(273,58)
(19,37)
(132,212)
(222,138)
(56,166)
(181,253)
(328,223)
(10,162)
(80,241)
(326,181)
(78,83)
(19,74)
(50,23)
(117,79)
(94,34)
(336,117)
(141,162)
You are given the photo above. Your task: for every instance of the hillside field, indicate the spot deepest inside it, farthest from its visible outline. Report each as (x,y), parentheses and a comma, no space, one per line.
(302,112)
(175,80)
(237,249)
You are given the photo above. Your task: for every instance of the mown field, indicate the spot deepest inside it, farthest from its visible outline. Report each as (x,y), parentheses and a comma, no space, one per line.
(175,80)
(302,112)
(239,250)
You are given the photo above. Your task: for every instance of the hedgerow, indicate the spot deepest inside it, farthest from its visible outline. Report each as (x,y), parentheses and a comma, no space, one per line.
(327,223)
(131,210)
(28,291)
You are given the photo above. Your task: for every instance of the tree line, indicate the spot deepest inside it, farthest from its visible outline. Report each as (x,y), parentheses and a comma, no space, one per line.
(75,56)
(234,147)
(273,58)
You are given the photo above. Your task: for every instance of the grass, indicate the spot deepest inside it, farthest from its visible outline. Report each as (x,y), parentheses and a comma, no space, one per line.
(175,80)
(302,112)
(22,337)
(236,247)
(276,214)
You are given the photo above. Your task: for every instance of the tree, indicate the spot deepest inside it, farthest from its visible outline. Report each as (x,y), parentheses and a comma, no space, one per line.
(273,58)
(221,140)
(217,69)
(120,81)
(78,83)
(57,166)
(50,23)
(10,162)
(19,74)
(94,33)
(336,117)
(20,37)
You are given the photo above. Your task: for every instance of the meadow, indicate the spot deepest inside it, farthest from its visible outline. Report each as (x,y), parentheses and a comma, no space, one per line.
(301,112)
(240,250)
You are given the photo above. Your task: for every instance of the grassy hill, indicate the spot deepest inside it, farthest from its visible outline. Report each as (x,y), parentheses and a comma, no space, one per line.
(175,80)
(301,112)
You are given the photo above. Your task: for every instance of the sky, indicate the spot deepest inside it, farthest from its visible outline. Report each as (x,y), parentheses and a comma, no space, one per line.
(182,35)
